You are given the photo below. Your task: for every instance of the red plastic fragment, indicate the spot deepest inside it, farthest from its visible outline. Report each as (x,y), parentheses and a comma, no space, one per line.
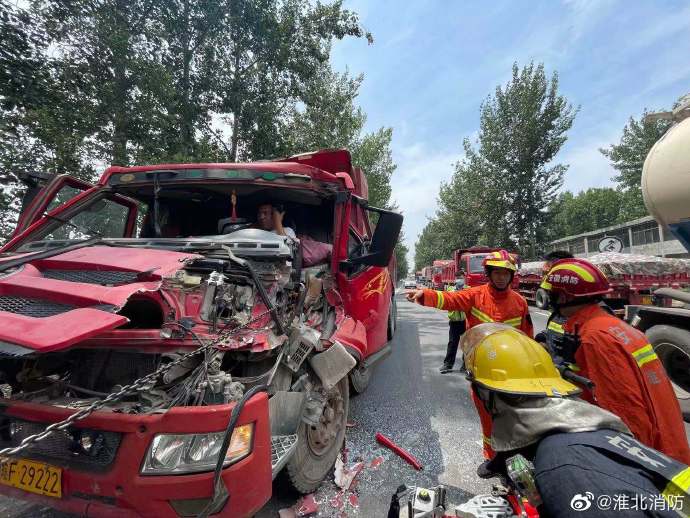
(400,452)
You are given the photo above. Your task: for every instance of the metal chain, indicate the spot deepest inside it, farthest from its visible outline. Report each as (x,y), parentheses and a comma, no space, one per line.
(136,386)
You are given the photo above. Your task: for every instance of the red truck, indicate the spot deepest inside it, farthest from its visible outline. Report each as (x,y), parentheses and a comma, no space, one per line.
(469,266)
(203,355)
(427,274)
(634,278)
(443,274)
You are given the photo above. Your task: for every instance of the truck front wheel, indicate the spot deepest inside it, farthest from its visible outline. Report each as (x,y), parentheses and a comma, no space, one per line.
(318,446)
(672,346)
(541,299)
(392,319)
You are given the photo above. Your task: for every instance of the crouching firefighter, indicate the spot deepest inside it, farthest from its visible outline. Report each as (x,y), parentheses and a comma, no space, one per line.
(629,379)
(491,302)
(564,455)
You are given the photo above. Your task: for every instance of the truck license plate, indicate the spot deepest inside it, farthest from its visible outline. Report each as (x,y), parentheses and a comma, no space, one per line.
(34,477)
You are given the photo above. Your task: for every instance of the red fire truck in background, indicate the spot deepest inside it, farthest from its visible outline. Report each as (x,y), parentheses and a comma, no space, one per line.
(468,263)
(443,274)
(426,276)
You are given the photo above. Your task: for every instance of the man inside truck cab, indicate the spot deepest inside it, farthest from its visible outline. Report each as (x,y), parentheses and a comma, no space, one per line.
(270,218)
(629,379)
(493,302)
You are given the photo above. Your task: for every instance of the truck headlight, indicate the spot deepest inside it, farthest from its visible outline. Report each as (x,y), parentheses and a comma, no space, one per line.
(192,453)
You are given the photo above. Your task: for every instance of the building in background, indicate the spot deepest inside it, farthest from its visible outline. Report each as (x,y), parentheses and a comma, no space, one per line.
(640,236)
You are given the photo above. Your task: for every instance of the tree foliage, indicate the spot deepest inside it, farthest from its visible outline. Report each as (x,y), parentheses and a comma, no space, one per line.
(627,158)
(522,128)
(588,210)
(150,81)
(501,191)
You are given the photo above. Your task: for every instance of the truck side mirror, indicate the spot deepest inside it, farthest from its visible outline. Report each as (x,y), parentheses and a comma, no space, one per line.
(383,242)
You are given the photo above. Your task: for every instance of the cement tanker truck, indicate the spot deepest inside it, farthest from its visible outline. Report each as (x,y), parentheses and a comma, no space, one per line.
(666,190)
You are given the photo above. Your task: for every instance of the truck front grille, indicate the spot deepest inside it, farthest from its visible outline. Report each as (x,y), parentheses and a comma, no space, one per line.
(102,277)
(88,450)
(28,307)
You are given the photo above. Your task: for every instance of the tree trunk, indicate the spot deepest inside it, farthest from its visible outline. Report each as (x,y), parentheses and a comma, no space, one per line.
(186,137)
(120,50)
(237,108)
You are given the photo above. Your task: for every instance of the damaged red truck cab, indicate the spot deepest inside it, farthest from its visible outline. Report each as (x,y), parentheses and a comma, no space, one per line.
(205,354)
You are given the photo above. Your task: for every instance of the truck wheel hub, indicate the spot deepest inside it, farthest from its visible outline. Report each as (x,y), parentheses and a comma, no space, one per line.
(322,435)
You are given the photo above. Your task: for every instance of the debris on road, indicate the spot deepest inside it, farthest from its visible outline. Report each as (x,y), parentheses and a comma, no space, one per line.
(305,506)
(376,462)
(400,452)
(343,475)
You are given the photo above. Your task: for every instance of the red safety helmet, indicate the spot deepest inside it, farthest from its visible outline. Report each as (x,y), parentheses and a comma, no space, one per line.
(500,259)
(576,278)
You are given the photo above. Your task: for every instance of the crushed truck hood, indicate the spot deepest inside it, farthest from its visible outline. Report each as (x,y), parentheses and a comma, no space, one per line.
(49,304)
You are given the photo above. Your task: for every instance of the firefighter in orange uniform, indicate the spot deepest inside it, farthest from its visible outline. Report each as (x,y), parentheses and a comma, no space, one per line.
(629,379)
(492,302)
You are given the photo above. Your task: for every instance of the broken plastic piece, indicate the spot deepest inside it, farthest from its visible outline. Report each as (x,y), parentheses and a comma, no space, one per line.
(400,452)
(344,476)
(305,506)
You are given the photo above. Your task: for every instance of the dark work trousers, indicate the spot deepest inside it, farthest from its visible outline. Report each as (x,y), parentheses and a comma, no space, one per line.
(455,330)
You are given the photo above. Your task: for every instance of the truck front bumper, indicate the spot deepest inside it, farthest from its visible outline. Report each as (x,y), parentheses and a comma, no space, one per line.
(120,489)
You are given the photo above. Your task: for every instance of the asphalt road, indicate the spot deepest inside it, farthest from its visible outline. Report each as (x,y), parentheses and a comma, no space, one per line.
(429,413)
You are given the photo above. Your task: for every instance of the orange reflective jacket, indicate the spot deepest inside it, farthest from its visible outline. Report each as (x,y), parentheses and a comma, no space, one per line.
(629,380)
(484,304)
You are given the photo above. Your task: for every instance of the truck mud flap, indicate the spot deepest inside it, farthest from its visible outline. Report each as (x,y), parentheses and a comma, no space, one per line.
(285,412)
(332,365)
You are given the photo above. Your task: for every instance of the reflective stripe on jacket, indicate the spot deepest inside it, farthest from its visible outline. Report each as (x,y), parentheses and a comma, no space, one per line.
(454,316)
(629,380)
(484,304)
(613,464)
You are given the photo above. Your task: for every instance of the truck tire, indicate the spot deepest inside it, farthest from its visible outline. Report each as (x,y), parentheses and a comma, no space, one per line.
(360,378)
(318,446)
(672,346)
(392,318)
(541,299)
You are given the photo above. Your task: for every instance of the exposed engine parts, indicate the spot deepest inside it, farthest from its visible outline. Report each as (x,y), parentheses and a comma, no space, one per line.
(215,293)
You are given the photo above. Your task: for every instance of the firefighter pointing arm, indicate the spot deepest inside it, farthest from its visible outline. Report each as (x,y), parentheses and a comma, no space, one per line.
(492,302)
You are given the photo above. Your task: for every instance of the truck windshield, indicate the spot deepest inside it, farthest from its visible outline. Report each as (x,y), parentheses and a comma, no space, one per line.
(476,263)
(184,211)
(103,217)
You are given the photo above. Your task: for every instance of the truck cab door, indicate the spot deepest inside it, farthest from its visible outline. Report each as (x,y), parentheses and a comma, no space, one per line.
(365,283)
(57,191)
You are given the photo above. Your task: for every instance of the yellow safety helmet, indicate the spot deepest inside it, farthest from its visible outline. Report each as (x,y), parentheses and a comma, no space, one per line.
(501,259)
(498,357)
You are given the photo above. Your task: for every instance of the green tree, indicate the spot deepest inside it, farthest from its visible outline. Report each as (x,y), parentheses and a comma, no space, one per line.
(431,245)
(586,211)
(627,158)
(401,251)
(22,58)
(522,128)
(272,53)
(501,191)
